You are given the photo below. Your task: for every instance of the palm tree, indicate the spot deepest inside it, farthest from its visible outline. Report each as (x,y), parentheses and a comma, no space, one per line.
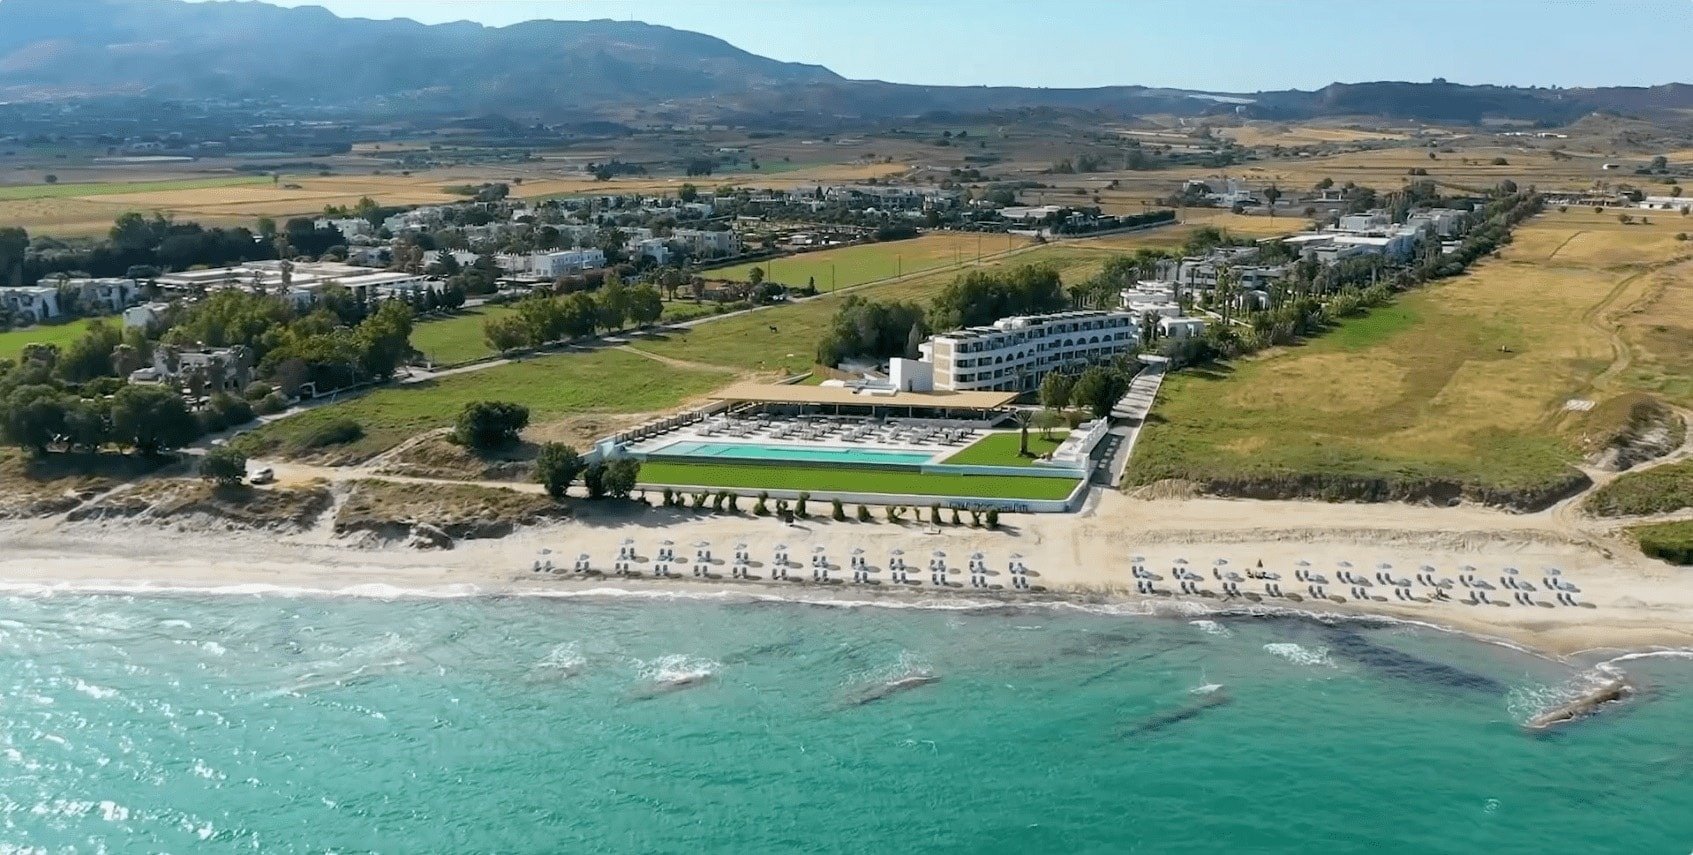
(1023,418)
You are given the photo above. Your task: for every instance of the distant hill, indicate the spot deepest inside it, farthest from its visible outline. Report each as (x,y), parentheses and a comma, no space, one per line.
(588,69)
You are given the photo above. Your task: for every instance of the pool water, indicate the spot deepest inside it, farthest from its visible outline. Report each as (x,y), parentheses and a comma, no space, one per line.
(791,453)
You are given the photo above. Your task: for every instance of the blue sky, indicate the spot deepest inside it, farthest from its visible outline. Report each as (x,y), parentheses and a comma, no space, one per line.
(1232,45)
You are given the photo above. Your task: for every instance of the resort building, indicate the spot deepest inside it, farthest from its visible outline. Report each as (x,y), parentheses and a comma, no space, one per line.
(1014,354)
(300,281)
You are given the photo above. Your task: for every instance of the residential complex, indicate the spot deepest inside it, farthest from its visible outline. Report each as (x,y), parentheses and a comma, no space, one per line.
(301,281)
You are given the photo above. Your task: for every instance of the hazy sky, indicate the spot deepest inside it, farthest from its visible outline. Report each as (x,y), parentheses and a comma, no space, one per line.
(1233,45)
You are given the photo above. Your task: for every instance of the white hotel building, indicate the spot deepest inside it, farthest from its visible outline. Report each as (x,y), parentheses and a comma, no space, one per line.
(1015,354)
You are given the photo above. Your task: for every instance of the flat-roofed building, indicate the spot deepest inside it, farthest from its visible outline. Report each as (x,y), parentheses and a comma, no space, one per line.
(1014,354)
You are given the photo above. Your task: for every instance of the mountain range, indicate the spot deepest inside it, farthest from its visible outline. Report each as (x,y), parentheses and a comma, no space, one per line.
(586,69)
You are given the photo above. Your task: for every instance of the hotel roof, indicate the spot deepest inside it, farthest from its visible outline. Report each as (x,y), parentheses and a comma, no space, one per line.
(778,393)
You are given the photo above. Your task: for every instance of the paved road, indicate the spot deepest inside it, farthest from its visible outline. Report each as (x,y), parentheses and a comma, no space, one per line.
(1127,418)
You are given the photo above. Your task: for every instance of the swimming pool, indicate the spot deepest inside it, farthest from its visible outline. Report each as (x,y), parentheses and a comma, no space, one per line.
(791,453)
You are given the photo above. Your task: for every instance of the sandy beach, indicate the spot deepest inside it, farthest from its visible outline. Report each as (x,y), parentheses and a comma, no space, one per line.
(1636,604)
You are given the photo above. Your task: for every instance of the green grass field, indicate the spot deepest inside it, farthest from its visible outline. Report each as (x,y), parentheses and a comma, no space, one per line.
(856,265)
(1658,490)
(1671,542)
(784,338)
(61,191)
(823,479)
(458,338)
(552,387)
(1002,449)
(12,342)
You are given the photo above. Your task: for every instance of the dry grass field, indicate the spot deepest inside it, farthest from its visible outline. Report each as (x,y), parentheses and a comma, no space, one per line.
(1466,380)
(1271,134)
(66,211)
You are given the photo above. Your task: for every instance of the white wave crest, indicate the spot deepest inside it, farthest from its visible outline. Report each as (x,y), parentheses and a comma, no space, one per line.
(1211,627)
(1299,654)
(679,668)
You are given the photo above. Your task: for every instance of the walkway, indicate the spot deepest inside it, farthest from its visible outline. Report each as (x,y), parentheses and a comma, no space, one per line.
(1127,417)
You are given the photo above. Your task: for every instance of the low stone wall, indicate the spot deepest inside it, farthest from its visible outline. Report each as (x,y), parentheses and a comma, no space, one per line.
(1021,506)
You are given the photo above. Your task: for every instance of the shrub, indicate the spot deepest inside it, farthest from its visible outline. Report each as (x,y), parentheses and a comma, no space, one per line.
(257,390)
(993,517)
(224,466)
(231,410)
(863,514)
(336,432)
(935,514)
(733,502)
(593,478)
(838,514)
(556,466)
(799,506)
(621,476)
(271,404)
(955,519)
(759,508)
(669,497)
(490,424)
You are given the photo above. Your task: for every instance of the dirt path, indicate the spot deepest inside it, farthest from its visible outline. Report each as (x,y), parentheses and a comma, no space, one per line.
(673,362)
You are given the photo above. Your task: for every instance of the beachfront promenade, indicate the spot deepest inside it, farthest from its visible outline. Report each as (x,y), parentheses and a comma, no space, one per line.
(1128,416)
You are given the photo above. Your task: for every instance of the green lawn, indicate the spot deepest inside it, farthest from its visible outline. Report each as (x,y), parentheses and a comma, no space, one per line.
(1002,449)
(823,479)
(856,265)
(1658,490)
(59,191)
(552,387)
(458,338)
(12,342)
(784,338)
(1671,542)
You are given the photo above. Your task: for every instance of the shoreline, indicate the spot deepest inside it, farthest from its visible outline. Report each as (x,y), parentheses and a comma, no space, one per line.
(1081,561)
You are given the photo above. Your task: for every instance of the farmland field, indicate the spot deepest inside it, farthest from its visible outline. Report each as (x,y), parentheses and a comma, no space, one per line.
(855,265)
(823,479)
(110,188)
(552,387)
(1463,381)
(12,342)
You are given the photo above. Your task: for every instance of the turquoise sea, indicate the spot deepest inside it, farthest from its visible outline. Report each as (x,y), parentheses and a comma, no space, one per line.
(624,724)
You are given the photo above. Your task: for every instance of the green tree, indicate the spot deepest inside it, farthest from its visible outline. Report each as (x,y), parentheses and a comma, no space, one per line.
(1099,389)
(613,302)
(688,193)
(1055,390)
(224,466)
(33,417)
(579,315)
(1046,420)
(507,333)
(645,305)
(90,356)
(490,424)
(594,478)
(1271,194)
(386,339)
(755,277)
(556,466)
(621,476)
(152,419)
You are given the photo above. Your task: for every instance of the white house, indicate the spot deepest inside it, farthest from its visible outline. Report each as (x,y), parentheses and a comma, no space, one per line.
(653,248)
(145,315)
(32,304)
(1181,328)
(349,227)
(552,265)
(701,242)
